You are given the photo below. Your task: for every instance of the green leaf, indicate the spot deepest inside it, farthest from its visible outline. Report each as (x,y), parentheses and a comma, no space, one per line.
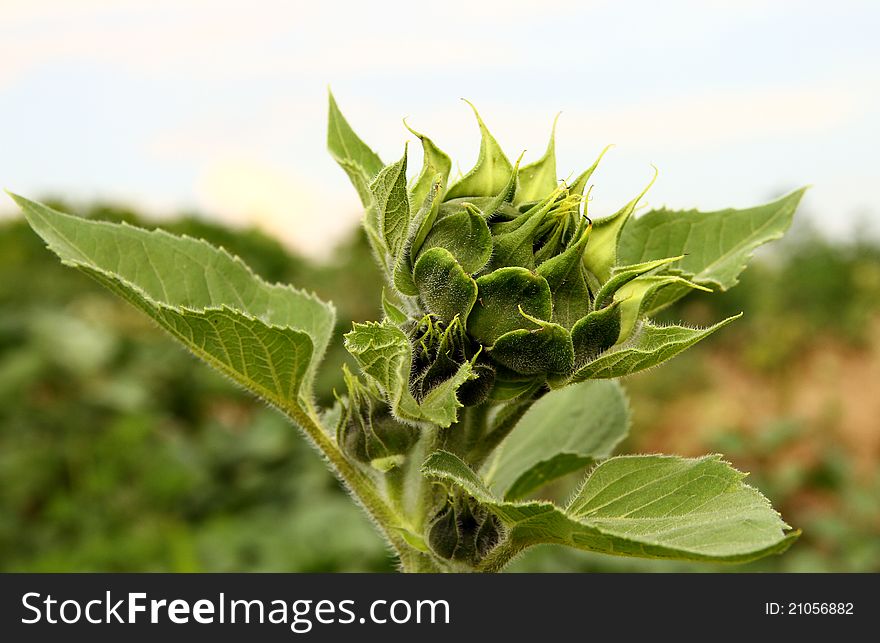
(538,179)
(353,155)
(489,176)
(268,338)
(392,312)
(445,288)
(716,245)
(392,206)
(637,295)
(649,346)
(566,430)
(565,275)
(602,255)
(647,506)
(384,353)
(435,163)
(502,297)
(622,275)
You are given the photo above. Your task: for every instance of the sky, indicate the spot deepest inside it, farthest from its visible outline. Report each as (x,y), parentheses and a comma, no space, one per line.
(220,106)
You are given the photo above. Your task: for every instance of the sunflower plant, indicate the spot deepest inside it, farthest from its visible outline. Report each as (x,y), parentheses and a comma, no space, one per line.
(510,314)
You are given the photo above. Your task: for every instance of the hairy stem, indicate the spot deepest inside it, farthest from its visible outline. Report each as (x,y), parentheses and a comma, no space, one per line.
(361,487)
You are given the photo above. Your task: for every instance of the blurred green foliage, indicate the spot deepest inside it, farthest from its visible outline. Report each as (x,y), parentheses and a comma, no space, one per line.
(120,452)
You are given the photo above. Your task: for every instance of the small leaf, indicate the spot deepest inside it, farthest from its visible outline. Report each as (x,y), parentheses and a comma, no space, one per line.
(353,155)
(384,353)
(445,288)
(647,506)
(716,245)
(435,163)
(489,176)
(464,234)
(602,256)
(538,179)
(392,312)
(268,338)
(622,275)
(392,206)
(636,298)
(565,430)
(501,296)
(649,346)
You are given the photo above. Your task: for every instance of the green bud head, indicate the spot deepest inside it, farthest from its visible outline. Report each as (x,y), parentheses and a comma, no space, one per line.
(506,256)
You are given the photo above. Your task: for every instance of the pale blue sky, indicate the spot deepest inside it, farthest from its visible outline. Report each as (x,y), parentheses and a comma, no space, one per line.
(220,106)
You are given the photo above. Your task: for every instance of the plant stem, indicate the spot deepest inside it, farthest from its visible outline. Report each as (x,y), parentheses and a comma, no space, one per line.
(361,487)
(504,423)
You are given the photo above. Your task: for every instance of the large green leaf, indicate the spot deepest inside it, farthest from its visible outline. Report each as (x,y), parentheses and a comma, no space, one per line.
(716,245)
(353,155)
(649,346)
(267,337)
(648,506)
(383,352)
(564,431)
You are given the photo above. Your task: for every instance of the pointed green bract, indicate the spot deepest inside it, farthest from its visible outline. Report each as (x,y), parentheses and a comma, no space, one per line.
(546,349)
(464,234)
(565,276)
(502,296)
(649,346)
(636,298)
(419,226)
(384,353)
(622,275)
(391,205)
(580,183)
(269,338)
(606,235)
(435,164)
(490,174)
(353,155)
(595,333)
(445,288)
(392,312)
(538,178)
(564,431)
(716,245)
(648,506)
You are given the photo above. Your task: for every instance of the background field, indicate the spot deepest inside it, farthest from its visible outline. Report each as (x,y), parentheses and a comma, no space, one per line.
(120,452)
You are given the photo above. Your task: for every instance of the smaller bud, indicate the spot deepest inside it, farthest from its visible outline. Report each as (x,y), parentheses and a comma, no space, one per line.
(368,432)
(463,530)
